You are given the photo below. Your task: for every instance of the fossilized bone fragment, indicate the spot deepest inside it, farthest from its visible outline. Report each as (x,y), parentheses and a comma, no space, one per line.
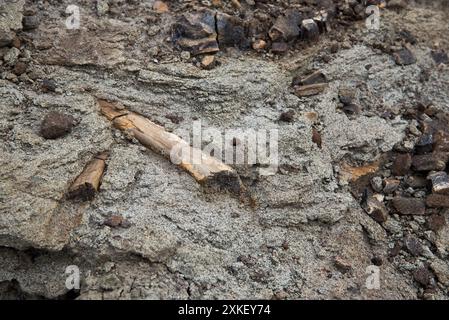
(87,184)
(207,170)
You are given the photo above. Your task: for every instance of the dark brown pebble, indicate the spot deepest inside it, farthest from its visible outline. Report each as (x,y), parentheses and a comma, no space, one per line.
(279,47)
(174,118)
(423,276)
(404,57)
(440,57)
(429,162)
(437,201)
(48,85)
(30,22)
(316,137)
(413,246)
(56,125)
(287,116)
(375,209)
(401,164)
(20,68)
(116,221)
(409,206)
(436,222)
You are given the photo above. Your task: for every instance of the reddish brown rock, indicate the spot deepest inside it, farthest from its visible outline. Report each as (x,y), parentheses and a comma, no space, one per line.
(56,125)
(116,221)
(429,162)
(436,222)
(391,185)
(375,209)
(438,201)
(316,137)
(401,164)
(279,47)
(423,276)
(286,27)
(409,206)
(160,7)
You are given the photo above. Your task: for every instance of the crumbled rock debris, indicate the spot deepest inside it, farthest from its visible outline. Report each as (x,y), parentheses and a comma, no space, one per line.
(361,173)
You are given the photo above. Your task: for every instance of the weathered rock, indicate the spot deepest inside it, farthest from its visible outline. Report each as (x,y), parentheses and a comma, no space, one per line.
(377,184)
(56,125)
(438,201)
(310,30)
(6,38)
(259,44)
(286,27)
(116,221)
(429,162)
(436,222)
(346,95)
(440,57)
(20,68)
(423,276)
(440,182)
(404,57)
(313,78)
(160,7)
(322,19)
(413,245)
(416,182)
(342,265)
(441,270)
(391,185)
(409,206)
(48,85)
(11,56)
(231,31)
(424,143)
(401,164)
(376,209)
(287,116)
(309,90)
(102,7)
(30,23)
(279,47)
(196,32)
(316,137)
(208,62)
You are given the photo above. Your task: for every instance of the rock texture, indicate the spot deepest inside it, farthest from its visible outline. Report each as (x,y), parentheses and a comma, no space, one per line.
(151,232)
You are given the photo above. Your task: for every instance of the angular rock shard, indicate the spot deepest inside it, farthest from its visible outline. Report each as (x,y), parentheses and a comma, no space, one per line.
(207,170)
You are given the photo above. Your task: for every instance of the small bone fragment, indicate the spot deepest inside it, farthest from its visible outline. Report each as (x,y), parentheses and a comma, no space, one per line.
(87,184)
(207,170)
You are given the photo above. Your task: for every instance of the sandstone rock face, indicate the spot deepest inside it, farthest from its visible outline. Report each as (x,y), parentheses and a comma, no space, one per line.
(151,232)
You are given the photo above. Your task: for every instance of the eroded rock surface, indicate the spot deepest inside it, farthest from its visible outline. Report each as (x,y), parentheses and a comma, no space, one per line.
(151,231)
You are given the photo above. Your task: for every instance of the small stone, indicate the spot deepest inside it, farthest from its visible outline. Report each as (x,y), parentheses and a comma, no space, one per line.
(309,90)
(160,7)
(259,45)
(436,222)
(310,29)
(377,184)
(286,27)
(6,38)
(231,31)
(376,209)
(313,78)
(102,7)
(16,43)
(346,95)
(185,55)
(409,206)
(287,116)
(413,246)
(116,221)
(377,261)
(404,57)
(391,185)
(352,109)
(208,62)
(316,137)
(438,201)
(279,47)
(440,57)
(20,68)
(56,125)
(30,23)
(48,85)
(441,270)
(342,265)
(416,182)
(174,118)
(423,276)
(401,164)
(429,162)
(424,143)
(440,182)
(11,56)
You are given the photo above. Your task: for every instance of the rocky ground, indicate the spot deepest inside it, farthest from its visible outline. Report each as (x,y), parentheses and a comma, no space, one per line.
(362,181)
